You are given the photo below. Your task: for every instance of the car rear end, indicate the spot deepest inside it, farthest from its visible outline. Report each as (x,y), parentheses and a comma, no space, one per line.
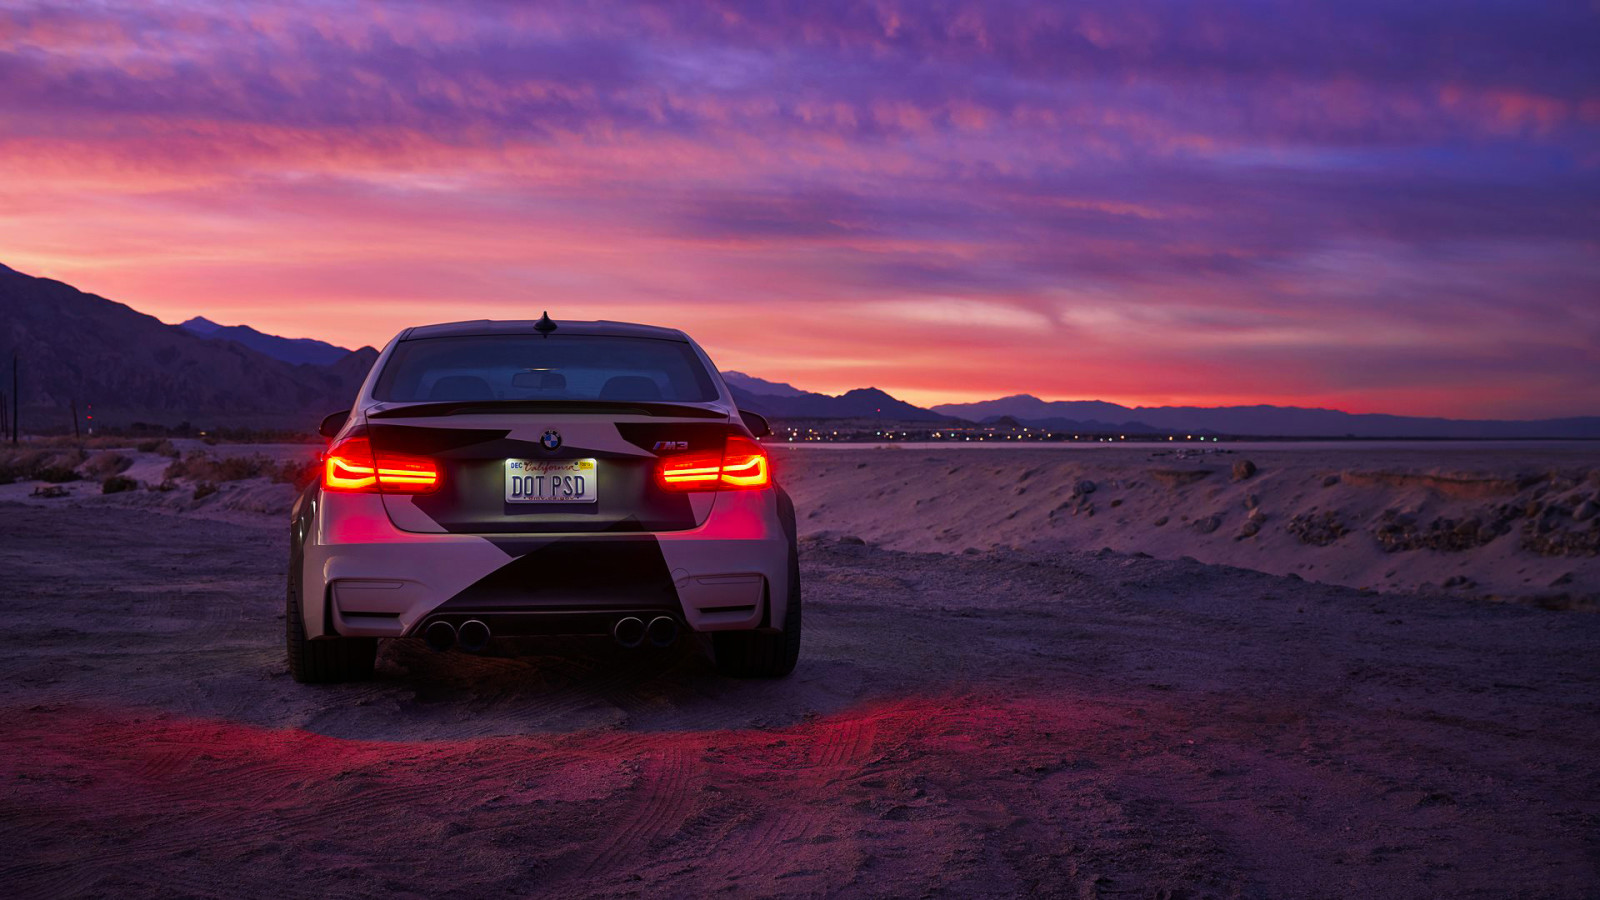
(506,479)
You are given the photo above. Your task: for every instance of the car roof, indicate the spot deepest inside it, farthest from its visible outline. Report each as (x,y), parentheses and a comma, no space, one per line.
(478,327)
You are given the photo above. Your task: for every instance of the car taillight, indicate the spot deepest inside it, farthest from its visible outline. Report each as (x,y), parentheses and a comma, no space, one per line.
(741,464)
(744,464)
(350,465)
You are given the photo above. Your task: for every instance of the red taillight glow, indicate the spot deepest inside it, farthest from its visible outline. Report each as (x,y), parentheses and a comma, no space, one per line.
(744,464)
(351,466)
(741,464)
(692,471)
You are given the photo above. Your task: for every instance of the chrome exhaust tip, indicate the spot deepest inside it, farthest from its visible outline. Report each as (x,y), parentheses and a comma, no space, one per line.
(440,635)
(629,631)
(662,630)
(474,635)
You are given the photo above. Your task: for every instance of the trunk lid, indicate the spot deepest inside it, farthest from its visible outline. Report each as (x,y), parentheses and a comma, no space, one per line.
(472,449)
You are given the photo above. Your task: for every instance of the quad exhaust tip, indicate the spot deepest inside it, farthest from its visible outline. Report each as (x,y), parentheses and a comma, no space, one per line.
(662,630)
(629,631)
(474,635)
(440,635)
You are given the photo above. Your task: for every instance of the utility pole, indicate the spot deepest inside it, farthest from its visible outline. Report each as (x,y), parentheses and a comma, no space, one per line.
(76,435)
(16,393)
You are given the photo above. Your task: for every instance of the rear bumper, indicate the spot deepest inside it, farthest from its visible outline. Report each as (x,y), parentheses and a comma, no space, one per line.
(364,577)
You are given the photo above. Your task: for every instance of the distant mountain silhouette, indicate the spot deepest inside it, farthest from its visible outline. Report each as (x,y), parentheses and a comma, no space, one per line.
(79,347)
(861,403)
(290,350)
(753,385)
(1274,421)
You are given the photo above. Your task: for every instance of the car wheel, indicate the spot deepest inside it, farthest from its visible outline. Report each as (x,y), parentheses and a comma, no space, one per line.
(325,661)
(762,654)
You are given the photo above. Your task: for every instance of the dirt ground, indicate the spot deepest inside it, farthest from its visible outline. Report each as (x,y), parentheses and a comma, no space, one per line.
(993,723)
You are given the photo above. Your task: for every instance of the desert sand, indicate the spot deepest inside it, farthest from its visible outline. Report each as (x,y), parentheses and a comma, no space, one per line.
(988,703)
(1493,520)
(1511,521)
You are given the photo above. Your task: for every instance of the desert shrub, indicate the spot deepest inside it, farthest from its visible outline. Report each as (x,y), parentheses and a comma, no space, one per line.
(1318,530)
(1398,531)
(116,484)
(14,466)
(159,446)
(54,466)
(204,489)
(201,467)
(105,464)
(97,442)
(56,473)
(298,472)
(162,486)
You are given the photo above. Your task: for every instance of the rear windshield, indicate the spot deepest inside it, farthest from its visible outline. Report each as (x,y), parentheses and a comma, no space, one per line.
(535,367)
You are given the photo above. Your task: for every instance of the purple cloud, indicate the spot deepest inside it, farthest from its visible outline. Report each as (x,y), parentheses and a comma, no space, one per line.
(1158,181)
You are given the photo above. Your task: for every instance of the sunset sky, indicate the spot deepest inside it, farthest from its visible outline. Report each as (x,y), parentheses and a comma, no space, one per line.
(1376,206)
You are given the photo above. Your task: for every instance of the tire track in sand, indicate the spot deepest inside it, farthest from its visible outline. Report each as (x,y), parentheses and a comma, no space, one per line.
(841,748)
(666,805)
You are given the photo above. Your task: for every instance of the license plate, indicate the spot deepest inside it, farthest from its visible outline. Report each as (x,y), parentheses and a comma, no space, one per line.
(552,481)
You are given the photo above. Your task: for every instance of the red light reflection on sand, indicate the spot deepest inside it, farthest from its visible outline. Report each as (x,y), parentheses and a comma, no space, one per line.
(120,789)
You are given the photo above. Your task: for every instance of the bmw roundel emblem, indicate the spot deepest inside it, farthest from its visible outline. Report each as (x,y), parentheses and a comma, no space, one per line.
(551,439)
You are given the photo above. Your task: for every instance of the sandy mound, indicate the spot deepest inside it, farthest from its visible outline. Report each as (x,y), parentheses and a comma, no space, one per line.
(1509,523)
(1503,523)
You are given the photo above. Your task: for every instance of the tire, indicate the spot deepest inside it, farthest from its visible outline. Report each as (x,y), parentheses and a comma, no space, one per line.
(325,661)
(764,654)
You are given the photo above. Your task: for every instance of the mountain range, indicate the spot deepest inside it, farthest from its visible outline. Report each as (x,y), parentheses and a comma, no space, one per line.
(1275,421)
(780,401)
(753,385)
(861,403)
(80,348)
(295,351)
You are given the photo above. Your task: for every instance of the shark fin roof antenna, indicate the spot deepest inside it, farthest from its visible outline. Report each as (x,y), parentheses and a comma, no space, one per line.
(544,326)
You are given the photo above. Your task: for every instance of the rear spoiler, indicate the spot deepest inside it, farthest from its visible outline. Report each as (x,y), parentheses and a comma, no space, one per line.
(512,407)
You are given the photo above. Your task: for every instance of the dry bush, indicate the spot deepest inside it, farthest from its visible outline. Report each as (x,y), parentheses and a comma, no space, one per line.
(298,472)
(116,484)
(97,442)
(159,446)
(204,489)
(105,464)
(201,467)
(57,474)
(52,465)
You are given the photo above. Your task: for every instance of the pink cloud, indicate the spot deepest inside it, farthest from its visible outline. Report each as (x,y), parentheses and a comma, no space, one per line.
(1178,203)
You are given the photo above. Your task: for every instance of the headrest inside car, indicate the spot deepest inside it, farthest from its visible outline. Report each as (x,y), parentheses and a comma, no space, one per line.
(544,381)
(461,387)
(630,387)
